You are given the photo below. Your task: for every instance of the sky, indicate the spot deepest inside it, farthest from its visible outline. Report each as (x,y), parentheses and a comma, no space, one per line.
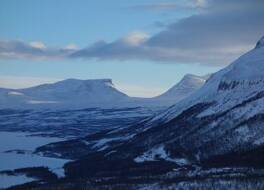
(144,46)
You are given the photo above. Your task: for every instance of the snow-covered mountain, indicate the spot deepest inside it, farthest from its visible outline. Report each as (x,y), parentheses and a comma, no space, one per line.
(221,124)
(70,93)
(184,88)
(223,119)
(79,94)
(241,80)
(101,90)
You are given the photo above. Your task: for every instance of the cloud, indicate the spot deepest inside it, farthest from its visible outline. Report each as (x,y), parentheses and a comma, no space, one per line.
(221,32)
(135,38)
(36,50)
(37,44)
(71,47)
(130,46)
(217,34)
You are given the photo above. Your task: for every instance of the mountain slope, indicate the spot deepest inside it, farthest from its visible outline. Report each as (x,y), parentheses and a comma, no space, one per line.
(231,85)
(217,133)
(225,116)
(219,125)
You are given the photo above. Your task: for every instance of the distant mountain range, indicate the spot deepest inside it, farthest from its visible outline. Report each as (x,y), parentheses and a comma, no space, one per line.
(79,94)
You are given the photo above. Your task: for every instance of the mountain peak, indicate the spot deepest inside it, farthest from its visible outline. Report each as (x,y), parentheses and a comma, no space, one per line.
(260,43)
(189,76)
(185,87)
(194,77)
(192,80)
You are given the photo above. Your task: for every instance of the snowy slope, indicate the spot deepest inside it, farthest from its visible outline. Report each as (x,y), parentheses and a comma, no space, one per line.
(231,85)
(188,85)
(225,116)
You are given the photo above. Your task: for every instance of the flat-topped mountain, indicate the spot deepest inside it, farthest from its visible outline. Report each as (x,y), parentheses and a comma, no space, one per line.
(79,94)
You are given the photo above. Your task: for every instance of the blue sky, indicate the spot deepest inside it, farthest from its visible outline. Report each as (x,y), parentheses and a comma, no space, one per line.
(77,21)
(140,46)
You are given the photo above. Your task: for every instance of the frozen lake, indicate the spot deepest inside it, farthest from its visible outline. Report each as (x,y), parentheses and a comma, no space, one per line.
(12,160)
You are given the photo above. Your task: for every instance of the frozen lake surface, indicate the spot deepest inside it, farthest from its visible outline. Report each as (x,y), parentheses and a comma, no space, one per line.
(7,181)
(12,160)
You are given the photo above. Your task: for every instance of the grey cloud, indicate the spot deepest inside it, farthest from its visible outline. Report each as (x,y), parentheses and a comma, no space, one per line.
(15,49)
(222,31)
(9,47)
(215,28)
